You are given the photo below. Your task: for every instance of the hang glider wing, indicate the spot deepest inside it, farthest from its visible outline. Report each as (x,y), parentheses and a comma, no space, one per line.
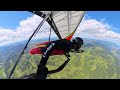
(64,23)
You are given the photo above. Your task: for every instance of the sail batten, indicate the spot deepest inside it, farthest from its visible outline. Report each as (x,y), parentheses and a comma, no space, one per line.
(70,19)
(65,21)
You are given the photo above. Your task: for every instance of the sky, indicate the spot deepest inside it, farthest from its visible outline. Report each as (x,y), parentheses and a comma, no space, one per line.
(19,25)
(11,19)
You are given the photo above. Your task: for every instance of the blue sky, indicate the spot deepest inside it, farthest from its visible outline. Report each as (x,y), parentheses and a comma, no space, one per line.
(11,19)
(111,17)
(18,25)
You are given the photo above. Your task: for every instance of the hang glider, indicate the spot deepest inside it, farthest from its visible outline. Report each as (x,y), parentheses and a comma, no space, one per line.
(64,24)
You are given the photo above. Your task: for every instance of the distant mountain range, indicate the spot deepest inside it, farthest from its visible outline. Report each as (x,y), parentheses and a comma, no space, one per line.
(12,51)
(106,52)
(111,47)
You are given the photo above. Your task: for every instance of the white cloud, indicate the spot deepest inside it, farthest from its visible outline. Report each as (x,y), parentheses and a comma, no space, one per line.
(3,38)
(24,31)
(88,28)
(97,29)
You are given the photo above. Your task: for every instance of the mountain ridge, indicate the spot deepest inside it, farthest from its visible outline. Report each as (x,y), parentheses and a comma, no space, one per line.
(98,58)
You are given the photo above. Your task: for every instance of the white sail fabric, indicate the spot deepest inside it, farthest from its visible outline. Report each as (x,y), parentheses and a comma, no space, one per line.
(66,21)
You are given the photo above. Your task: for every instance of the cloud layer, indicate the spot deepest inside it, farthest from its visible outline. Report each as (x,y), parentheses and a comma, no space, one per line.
(24,31)
(88,28)
(97,29)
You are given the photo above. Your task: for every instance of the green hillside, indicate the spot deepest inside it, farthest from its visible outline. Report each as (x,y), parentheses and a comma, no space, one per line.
(96,62)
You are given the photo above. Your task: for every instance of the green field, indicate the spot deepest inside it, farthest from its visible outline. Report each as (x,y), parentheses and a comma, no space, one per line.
(94,63)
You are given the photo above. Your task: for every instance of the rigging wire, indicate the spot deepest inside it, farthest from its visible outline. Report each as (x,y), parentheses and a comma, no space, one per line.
(50,27)
(36,30)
